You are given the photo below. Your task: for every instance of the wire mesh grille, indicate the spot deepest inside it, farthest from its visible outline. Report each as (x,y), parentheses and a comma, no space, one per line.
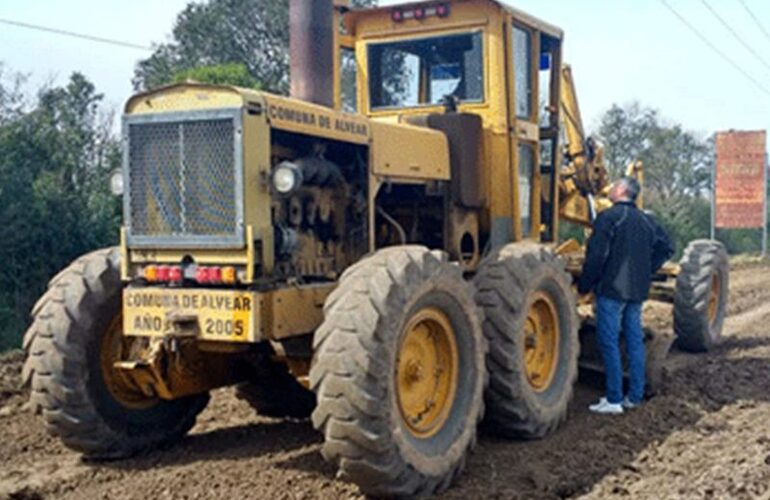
(182,178)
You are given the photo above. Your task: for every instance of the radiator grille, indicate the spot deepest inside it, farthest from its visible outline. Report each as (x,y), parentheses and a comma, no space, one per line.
(182,180)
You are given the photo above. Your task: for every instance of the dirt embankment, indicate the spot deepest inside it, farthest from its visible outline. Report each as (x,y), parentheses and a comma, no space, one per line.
(706,435)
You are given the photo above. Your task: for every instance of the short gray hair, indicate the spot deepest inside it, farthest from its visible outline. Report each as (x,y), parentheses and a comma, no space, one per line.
(631,186)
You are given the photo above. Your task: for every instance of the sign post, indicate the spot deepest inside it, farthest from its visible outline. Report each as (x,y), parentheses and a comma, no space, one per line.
(764,214)
(740,182)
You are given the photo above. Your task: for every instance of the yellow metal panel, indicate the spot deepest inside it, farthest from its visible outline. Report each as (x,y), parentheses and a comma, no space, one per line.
(462,11)
(409,152)
(201,256)
(281,318)
(221,315)
(527,131)
(256,196)
(317,121)
(574,208)
(123,255)
(185,97)
(378,22)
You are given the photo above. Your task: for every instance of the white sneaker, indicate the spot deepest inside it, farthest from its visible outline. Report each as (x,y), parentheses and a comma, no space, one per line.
(628,405)
(605,407)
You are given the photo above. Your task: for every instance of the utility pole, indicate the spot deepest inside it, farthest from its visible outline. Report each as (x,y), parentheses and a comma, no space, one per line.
(764,212)
(712,231)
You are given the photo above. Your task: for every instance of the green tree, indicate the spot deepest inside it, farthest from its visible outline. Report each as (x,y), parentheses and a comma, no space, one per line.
(249,32)
(56,156)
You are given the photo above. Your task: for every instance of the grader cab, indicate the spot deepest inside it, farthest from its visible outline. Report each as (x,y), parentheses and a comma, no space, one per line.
(380,251)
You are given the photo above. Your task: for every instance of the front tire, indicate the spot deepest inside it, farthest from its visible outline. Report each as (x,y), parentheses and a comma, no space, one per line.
(75,336)
(399,373)
(531,325)
(700,300)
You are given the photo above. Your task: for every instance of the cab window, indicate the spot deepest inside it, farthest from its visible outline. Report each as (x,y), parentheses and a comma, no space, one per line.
(522,68)
(424,71)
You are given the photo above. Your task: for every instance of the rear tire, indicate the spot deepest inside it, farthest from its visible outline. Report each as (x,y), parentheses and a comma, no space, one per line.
(399,373)
(526,296)
(70,346)
(700,300)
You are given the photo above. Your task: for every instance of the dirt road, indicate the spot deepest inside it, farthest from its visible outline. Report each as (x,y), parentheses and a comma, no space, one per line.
(706,435)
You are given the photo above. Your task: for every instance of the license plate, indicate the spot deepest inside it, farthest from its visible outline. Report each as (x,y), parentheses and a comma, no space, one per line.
(226,315)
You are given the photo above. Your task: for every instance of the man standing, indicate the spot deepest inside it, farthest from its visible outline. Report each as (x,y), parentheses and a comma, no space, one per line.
(625,249)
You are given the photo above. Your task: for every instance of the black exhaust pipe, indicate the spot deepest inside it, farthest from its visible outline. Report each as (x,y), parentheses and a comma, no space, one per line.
(311,49)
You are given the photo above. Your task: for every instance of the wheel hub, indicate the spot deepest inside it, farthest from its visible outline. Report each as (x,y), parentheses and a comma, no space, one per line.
(113,347)
(427,366)
(541,342)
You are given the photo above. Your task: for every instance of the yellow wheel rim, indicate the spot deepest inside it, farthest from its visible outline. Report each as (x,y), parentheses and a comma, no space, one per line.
(427,367)
(113,347)
(541,342)
(716,290)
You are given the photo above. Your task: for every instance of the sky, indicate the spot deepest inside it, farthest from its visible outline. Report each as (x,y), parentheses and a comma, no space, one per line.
(620,50)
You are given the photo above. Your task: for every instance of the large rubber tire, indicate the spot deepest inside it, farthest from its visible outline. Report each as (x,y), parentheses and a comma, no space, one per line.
(274,392)
(64,368)
(355,368)
(703,265)
(507,283)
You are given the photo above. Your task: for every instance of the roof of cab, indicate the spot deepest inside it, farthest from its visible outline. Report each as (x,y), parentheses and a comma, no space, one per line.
(533,21)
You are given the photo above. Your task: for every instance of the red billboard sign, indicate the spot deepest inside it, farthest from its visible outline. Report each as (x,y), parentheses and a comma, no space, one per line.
(740,179)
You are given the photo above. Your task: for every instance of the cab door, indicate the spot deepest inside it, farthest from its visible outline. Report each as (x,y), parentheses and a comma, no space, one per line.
(524,133)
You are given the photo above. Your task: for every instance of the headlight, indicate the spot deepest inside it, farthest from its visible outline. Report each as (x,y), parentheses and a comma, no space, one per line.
(116,183)
(286,177)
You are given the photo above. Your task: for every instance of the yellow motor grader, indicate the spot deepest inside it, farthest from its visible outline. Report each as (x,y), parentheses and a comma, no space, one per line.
(378,251)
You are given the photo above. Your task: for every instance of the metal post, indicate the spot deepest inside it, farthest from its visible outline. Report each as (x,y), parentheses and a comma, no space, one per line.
(764,211)
(712,222)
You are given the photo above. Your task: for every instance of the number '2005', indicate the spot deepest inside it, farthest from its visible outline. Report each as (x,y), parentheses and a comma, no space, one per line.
(224,327)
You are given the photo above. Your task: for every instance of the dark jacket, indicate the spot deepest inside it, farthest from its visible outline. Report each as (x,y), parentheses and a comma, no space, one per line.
(625,249)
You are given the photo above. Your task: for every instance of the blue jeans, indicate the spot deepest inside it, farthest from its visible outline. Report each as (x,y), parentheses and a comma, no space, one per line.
(614,316)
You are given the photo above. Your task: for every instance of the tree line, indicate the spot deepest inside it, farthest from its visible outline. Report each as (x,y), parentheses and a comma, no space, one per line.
(58,149)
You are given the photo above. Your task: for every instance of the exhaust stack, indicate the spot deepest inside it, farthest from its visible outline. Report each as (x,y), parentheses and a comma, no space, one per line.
(311,49)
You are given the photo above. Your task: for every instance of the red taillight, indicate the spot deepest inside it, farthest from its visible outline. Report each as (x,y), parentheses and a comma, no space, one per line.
(202,275)
(175,274)
(163,272)
(397,15)
(419,13)
(442,10)
(212,275)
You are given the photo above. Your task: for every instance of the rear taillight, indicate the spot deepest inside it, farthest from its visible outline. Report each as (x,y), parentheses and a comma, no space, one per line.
(202,275)
(214,275)
(163,274)
(228,275)
(175,274)
(151,273)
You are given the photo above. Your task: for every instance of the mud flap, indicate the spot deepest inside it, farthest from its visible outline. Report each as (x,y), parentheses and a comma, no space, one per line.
(657,346)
